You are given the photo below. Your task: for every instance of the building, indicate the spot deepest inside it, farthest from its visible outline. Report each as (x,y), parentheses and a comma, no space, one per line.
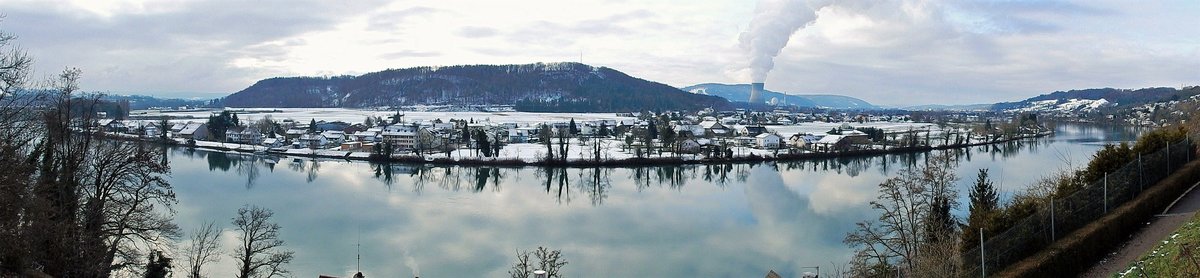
(401,137)
(768,140)
(715,129)
(194,131)
(311,141)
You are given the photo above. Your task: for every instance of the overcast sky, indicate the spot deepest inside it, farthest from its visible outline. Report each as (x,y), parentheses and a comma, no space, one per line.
(890,52)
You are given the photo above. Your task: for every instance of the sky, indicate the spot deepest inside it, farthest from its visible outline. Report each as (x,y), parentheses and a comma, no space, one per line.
(887,52)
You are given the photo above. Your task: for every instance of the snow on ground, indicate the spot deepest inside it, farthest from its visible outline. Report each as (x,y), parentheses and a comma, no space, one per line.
(357,116)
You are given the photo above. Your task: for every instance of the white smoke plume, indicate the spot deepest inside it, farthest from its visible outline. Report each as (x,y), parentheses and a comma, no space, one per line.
(412,264)
(773,24)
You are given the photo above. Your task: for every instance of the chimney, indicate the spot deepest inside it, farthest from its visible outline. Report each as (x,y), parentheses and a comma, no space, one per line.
(756,90)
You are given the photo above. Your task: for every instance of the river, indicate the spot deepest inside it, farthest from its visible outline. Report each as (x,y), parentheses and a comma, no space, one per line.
(734,220)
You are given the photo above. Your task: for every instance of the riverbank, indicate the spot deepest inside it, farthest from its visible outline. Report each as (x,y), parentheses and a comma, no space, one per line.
(610,158)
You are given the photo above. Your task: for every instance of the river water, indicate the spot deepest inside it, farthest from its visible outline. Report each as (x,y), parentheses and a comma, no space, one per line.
(734,220)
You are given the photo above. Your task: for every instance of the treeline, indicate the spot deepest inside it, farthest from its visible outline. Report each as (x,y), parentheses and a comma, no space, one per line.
(915,235)
(74,204)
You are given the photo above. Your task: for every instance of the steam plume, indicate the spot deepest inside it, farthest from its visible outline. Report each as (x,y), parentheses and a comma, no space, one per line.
(412,264)
(774,23)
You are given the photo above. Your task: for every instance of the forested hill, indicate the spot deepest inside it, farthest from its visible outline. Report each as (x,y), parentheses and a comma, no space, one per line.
(1091,99)
(550,87)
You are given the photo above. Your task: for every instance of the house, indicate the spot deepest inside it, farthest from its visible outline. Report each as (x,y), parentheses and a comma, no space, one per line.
(800,140)
(176,128)
(194,131)
(768,140)
(311,141)
(294,133)
(690,130)
(521,135)
(334,137)
(110,125)
(752,130)
(694,145)
(368,136)
(243,135)
(351,146)
(715,129)
(272,142)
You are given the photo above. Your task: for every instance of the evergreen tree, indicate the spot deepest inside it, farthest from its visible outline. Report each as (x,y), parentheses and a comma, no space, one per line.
(603,132)
(574,128)
(157,265)
(983,207)
(312,126)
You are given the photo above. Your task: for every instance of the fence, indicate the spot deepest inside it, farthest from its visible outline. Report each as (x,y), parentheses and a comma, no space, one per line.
(1064,215)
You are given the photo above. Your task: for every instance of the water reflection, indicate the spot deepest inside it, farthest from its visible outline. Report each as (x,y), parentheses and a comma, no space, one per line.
(724,219)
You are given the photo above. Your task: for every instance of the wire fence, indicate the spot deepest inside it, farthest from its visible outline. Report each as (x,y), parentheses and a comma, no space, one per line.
(1064,215)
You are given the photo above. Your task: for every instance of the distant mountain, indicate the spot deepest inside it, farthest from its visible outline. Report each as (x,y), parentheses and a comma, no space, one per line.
(1088,100)
(137,102)
(552,87)
(741,92)
(958,107)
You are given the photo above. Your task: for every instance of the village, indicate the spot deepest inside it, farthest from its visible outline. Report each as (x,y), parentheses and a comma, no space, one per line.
(704,135)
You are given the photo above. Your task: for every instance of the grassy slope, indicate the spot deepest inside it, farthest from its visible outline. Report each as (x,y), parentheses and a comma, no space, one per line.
(1166,260)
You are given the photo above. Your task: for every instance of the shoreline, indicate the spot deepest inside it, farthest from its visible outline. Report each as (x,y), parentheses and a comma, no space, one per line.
(624,162)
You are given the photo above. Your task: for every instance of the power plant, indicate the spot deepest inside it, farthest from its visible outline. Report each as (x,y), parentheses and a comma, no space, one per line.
(756,90)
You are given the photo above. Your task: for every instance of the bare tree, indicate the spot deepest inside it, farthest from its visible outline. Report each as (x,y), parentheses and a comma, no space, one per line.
(550,261)
(914,233)
(258,254)
(204,248)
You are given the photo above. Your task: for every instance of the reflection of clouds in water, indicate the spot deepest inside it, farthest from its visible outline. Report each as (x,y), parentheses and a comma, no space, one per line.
(673,222)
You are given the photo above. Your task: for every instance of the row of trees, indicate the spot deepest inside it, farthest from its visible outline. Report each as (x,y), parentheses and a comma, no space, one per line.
(915,234)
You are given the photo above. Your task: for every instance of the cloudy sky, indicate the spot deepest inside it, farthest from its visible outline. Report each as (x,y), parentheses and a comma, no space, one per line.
(890,52)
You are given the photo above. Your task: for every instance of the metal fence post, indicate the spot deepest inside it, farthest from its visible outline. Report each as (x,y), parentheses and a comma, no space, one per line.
(982,259)
(1105,193)
(1053,237)
(1141,176)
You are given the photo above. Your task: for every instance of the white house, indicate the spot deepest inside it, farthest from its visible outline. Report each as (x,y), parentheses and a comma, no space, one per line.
(768,140)
(194,131)
(334,137)
(311,141)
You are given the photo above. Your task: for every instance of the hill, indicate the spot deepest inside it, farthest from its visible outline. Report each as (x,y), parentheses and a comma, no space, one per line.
(552,87)
(1088,100)
(741,92)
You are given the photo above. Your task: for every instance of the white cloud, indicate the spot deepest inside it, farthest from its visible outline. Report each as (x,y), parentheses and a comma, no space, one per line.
(927,51)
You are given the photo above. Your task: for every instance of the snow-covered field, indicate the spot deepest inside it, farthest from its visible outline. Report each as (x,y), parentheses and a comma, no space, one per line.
(357,116)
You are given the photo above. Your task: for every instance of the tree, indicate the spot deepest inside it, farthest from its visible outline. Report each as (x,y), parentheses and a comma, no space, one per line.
(984,204)
(573,128)
(369,122)
(158,265)
(268,125)
(914,230)
(257,253)
(164,127)
(204,248)
(550,261)
(312,126)
(603,132)
(219,123)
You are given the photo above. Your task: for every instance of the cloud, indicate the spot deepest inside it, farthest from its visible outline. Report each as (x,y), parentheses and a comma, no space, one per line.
(189,48)
(395,20)
(477,32)
(409,54)
(949,52)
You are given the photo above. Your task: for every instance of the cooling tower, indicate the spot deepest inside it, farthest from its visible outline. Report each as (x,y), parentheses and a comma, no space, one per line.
(756,90)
